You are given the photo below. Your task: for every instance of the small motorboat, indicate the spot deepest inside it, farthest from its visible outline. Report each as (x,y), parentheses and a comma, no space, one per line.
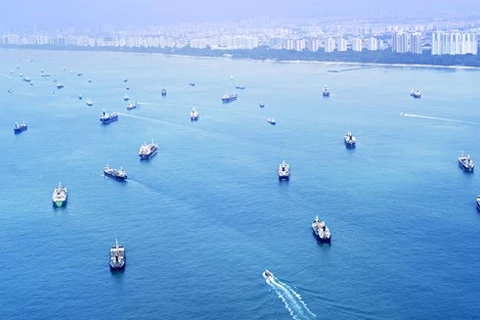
(267,275)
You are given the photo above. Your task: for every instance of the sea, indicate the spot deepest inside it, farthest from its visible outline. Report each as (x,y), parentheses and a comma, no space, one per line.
(207,215)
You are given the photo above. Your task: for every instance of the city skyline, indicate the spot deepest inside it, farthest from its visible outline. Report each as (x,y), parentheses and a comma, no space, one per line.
(52,14)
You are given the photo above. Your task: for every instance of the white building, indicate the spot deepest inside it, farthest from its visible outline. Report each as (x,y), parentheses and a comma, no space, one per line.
(289,44)
(330,45)
(372,44)
(357,44)
(314,45)
(341,44)
(300,44)
(198,43)
(416,43)
(401,42)
(454,43)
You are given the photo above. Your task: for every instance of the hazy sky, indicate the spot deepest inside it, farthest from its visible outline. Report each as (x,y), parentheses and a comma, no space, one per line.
(81,13)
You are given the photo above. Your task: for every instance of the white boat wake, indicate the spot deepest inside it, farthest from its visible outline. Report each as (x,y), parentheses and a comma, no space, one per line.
(412,115)
(293,301)
(141,118)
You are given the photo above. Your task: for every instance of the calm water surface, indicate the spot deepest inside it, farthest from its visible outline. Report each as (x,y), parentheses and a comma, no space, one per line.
(207,215)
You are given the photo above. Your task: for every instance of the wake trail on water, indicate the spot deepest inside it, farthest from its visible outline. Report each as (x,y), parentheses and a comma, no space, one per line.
(413,115)
(141,118)
(293,301)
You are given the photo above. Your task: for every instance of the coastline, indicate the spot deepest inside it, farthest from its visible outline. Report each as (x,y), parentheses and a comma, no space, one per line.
(233,57)
(332,63)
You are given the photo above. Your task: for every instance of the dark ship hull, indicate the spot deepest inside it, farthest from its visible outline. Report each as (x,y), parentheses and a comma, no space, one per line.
(148,156)
(59,204)
(349,145)
(320,239)
(19,129)
(108,120)
(115,176)
(464,167)
(227,100)
(117,268)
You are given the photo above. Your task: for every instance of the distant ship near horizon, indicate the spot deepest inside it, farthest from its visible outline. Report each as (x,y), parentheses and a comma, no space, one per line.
(416,94)
(226,98)
(17,128)
(349,140)
(194,115)
(326,91)
(107,118)
(132,105)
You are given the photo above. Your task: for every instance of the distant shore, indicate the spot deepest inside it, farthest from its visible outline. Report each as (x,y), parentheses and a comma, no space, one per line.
(367,59)
(332,63)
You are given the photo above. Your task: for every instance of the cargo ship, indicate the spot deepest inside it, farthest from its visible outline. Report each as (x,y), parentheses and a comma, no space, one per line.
(147,151)
(229,98)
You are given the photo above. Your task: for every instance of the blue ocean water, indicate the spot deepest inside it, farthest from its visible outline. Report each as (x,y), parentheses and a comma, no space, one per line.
(207,215)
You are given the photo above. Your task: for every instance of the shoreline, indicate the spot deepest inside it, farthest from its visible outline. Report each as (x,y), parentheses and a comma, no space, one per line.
(286,61)
(333,63)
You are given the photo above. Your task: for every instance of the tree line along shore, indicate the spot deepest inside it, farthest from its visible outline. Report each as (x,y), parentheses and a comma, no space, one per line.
(266,53)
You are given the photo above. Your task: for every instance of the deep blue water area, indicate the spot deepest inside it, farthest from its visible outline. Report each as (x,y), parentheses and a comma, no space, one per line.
(203,218)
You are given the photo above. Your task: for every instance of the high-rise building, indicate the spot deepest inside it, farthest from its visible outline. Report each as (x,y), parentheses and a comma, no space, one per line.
(416,43)
(401,42)
(289,44)
(372,44)
(313,45)
(198,43)
(300,44)
(454,43)
(341,44)
(357,44)
(330,45)
(405,43)
(470,43)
